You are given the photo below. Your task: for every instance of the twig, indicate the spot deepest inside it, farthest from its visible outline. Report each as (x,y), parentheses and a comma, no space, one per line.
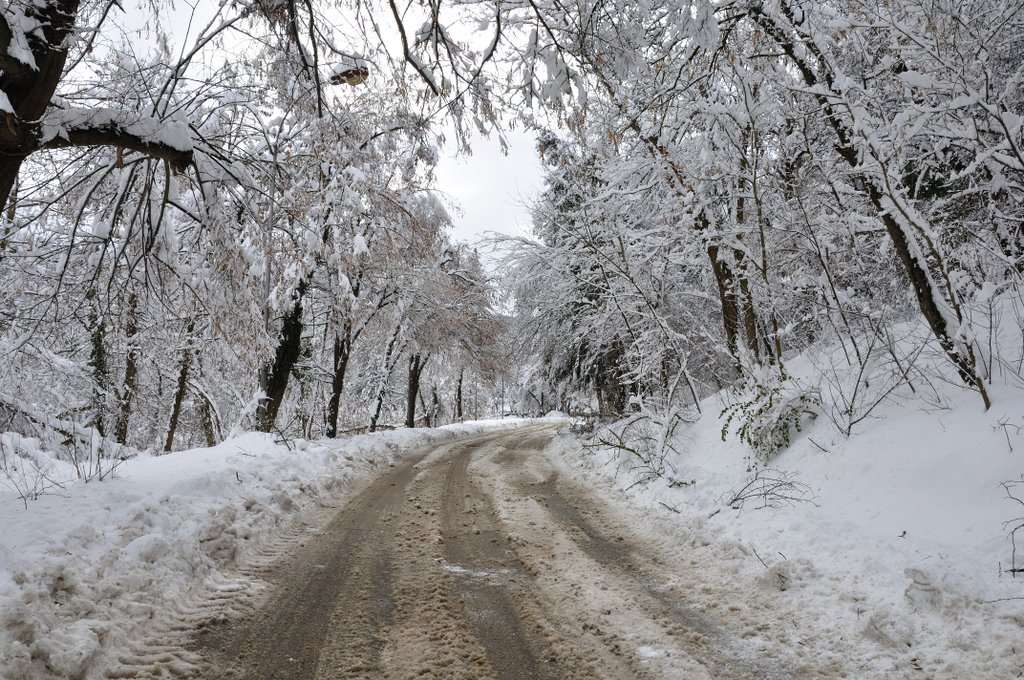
(774,488)
(759,557)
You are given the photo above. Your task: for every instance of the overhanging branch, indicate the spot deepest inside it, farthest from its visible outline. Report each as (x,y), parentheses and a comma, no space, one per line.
(110,135)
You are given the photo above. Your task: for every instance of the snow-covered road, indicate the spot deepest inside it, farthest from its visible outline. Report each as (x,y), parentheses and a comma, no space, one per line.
(484,550)
(478,559)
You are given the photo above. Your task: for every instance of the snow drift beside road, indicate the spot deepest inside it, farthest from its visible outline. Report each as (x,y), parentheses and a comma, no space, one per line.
(903,551)
(85,574)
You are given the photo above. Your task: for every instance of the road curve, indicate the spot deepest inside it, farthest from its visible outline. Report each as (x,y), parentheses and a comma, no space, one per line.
(480,559)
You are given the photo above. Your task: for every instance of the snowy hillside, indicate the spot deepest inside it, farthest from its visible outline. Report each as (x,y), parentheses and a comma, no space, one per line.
(893,538)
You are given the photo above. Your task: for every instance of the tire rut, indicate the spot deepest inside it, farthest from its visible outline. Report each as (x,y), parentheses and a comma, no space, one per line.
(632,562)
(631,595)
(489,580)
(476,561)
(333,583)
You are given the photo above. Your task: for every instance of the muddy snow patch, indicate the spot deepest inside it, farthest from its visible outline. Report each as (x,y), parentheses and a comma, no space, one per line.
(647,652)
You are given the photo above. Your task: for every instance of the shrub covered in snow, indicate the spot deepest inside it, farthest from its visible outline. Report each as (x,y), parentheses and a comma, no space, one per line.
(768,413)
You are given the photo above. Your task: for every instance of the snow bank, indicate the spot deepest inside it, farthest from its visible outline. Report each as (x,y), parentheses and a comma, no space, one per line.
(903,552)
(84,574)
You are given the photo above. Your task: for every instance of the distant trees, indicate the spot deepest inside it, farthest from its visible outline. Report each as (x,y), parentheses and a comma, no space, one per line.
(810,170)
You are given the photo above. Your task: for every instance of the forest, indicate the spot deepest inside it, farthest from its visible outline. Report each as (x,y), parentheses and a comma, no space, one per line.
(226,218)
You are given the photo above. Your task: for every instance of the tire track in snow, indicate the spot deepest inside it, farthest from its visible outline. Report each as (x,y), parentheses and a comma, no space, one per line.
(284,638)
(495,588)
(628,594)
(475,560)
(703,639)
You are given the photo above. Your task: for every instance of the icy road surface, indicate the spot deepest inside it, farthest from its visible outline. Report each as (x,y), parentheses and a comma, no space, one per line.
(481,559)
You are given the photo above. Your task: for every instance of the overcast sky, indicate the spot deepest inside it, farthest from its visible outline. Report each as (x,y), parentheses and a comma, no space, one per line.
(492,189)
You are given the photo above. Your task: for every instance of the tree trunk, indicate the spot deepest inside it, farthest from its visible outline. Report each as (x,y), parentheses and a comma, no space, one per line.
(12,202)
(608,381)
(9,169)
(342,350)
(30,90)
(435,405)
(382,390)
(458,398)
(98,362)
(209,431)
(749,317)
(287,355)
(746,299)
(131,371)
(730,308)
(416,364)
(179,397)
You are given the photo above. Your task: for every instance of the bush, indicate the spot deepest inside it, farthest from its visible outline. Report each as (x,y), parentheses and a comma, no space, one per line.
(25,469)
(767,417)
(647,439)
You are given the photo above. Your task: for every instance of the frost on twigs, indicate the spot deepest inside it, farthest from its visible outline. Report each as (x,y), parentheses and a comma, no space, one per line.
(646,441)
(25,469)
(42,452)
(878,364)
(1015,492)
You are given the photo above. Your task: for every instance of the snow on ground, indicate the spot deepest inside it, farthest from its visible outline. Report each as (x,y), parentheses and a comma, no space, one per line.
(83,573)
(903,552)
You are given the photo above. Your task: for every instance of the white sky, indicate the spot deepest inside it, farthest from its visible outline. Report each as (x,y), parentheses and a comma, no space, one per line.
(491,189)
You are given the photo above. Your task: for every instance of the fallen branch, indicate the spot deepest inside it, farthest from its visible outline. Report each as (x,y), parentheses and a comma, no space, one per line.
(759,557)
(773,488)
(1017,523)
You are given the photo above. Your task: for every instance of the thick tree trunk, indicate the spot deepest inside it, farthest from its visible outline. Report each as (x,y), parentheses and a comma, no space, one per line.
(458,397)
(131,371)
(179,398)
(416,363)
(30,90)
(287,355)
(342,350)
